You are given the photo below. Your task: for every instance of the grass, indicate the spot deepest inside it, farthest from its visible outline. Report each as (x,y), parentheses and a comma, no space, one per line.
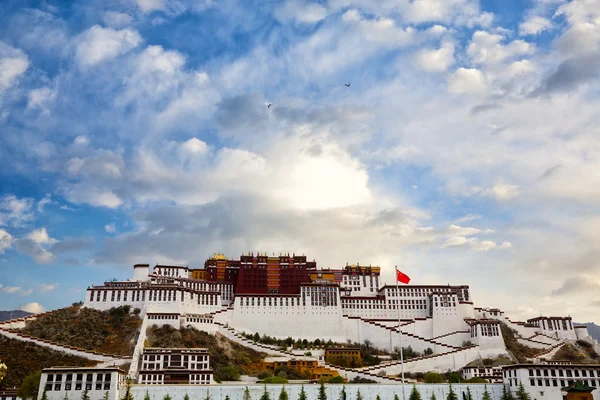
(112,331)
(520,351)
(24,358)
(227,359)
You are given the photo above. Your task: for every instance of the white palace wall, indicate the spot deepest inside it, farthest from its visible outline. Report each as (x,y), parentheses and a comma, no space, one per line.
(368,392)
(298,320)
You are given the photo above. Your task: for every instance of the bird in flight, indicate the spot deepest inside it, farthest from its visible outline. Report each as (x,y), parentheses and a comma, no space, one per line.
(347,84)
(269,106)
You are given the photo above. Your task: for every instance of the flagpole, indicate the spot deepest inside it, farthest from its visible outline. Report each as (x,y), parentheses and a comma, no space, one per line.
(400,332)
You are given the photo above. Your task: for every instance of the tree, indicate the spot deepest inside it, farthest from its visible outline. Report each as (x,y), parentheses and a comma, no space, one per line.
(128,395)
(469,395)
(322,393)
(378,397)
(486,394)
(432,397)
(247,395)
(84,395)
(147,395)
(44,395)
(414,394)
(66,396)
(167,397)
(283,394)
(302,395)
(521,393)
(343,394)
(30,385)
(106,396)
(207,397)
(396,397)
(433,377)
(265,395)
(358,395)
(187,397)
(451,394)
(227,397)
(506,395)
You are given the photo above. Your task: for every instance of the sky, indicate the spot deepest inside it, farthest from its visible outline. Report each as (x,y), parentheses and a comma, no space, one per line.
(456,139)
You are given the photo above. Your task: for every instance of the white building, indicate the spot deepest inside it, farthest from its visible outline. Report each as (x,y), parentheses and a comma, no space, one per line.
(544,381)
(492,374)
(70,382)
(175,367)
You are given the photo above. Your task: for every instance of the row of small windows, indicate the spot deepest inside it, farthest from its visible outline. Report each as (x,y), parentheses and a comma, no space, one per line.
(153,295)
(486,330)
(563,383)
(55,382)
(568,373)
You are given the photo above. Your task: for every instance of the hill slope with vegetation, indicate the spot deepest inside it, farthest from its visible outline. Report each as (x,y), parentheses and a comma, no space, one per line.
(518,350)
(112,331)
(24,358)
(227,359)
(6,315)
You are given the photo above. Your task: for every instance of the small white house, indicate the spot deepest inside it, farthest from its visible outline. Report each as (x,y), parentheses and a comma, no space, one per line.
(61,383)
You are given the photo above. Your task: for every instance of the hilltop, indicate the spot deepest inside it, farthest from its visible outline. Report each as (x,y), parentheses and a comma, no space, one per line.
(228,359)
(24,358)
(112,331)
(6,315)
(593,329)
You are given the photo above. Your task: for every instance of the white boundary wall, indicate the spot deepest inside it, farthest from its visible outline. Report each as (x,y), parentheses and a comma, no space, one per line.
(368,391)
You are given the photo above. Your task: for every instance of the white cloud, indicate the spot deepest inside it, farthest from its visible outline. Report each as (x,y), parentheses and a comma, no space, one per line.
(486,48)
(466,80)
(5,240)
(110,228)
(301,12)
(475,243)
(15,290)
(505,191)
(534,25)
(34,308)
(433,60)
(43,202)
(40,236)
(456,230)
(150,5)
(116,19)
(15,211)
(41,99)
(48,287)
(99,44)
(13,63)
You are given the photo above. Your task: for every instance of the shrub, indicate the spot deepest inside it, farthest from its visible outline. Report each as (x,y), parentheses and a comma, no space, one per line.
(433,377)
(274,379)
(336,379)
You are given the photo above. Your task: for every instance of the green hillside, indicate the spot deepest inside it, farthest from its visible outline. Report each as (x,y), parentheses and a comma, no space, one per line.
(24,358)
(228,359)
(111,331)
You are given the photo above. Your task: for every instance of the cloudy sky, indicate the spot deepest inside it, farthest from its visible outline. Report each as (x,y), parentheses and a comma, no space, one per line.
(465,150)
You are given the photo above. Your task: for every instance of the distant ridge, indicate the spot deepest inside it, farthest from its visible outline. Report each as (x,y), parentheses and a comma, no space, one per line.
(6,315)
(593,329)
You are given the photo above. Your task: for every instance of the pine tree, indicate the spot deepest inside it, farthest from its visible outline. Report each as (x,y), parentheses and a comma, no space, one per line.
(282,395)
(396,397)
(358,395)
(506,394)
(432,397)
(451,394)
(414,394)
(106,396)
(185,397)
(207,397)
(343,394)
(469,395)
(84,395)
(227,397)
(167,397)
(127,396)
(67,396)
(247,395)
(322,393)
(486,394)
(45,395)
(377,397)
(146,396)
(302,395)
(265,395)
(522,394)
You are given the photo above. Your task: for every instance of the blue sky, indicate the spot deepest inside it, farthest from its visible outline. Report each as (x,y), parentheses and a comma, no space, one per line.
(464,151)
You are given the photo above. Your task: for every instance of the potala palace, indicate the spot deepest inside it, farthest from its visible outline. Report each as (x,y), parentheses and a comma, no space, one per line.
(288,296)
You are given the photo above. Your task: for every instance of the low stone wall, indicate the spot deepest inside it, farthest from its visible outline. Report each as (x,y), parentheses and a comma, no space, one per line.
(368,391)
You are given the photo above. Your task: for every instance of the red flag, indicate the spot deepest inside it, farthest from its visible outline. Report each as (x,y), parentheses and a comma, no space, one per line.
(400,277)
